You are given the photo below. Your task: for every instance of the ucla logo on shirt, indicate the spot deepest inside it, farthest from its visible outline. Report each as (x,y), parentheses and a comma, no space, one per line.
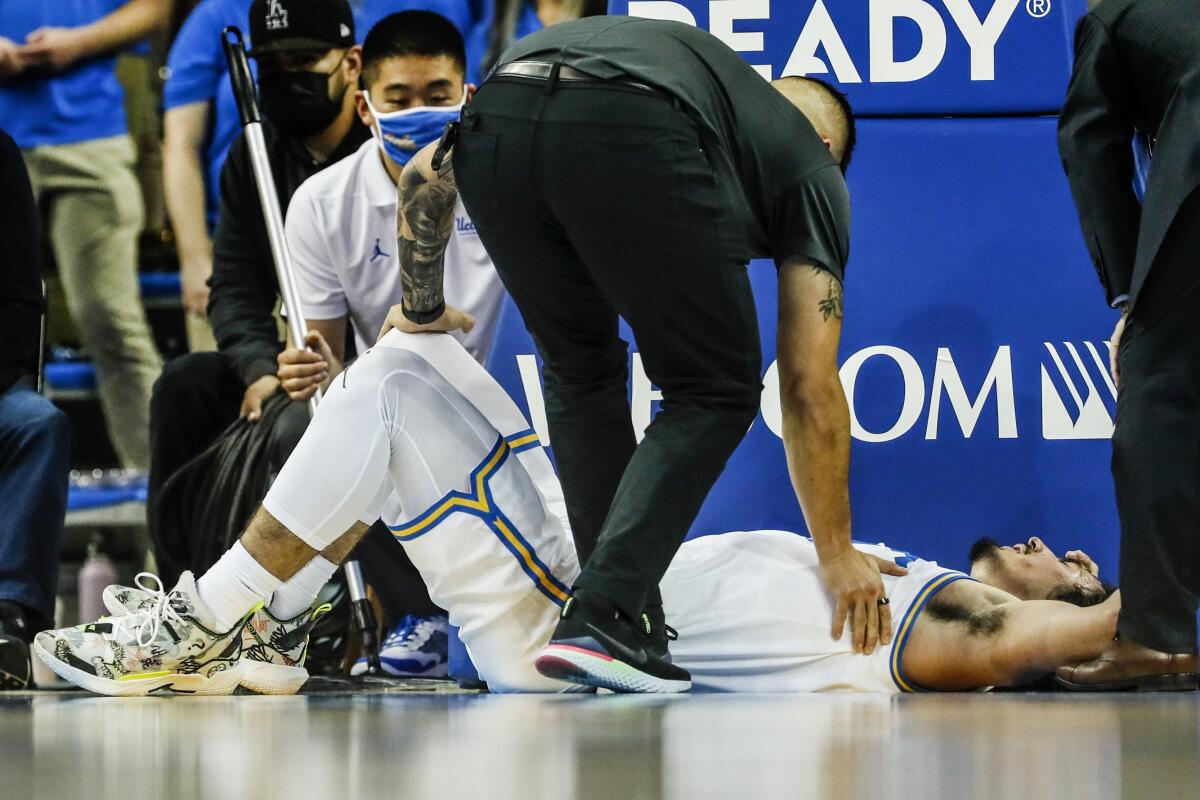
(463,225)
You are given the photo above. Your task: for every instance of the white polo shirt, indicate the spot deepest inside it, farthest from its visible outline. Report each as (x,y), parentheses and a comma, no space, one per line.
(341,230)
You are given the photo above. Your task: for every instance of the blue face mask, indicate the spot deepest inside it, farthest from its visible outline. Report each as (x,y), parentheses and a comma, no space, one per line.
(400,134)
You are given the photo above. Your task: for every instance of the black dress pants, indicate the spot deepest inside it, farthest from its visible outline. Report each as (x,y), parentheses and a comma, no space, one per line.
(196,397)
(1156,447)
(598,201)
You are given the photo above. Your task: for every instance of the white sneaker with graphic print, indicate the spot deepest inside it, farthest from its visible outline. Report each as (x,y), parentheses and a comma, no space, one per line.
(168,645)
(273,650)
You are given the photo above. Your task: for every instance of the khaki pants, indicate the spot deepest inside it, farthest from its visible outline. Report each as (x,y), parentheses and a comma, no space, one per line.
(92,210)
(199,334)
(143,98)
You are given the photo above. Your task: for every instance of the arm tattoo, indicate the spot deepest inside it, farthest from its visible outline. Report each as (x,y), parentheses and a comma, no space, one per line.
(831,304)
(428,208)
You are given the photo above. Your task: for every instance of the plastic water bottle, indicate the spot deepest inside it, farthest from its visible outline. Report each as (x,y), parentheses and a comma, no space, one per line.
(98,572)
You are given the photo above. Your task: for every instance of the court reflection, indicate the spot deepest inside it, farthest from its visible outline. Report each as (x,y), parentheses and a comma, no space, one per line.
(625,748)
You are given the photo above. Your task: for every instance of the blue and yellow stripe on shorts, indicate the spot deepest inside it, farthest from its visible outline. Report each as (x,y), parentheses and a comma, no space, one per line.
(525,440)
(905,628)
(480,504)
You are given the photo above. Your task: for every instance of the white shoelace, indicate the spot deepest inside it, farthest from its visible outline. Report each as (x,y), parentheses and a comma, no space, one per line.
(414,637)
(145,624)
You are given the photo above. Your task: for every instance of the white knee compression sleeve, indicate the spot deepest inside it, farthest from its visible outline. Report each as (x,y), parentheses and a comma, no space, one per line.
(338,474)
(417,431)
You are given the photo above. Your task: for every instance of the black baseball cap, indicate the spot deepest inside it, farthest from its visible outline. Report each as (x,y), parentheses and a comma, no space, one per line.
(280,25)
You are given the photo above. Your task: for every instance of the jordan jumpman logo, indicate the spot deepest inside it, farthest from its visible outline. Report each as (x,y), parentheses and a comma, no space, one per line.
(379,252)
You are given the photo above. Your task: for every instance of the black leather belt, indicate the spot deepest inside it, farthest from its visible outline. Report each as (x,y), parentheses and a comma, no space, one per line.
(544,71)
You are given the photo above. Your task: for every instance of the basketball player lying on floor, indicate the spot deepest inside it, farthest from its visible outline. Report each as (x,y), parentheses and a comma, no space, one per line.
(416,432)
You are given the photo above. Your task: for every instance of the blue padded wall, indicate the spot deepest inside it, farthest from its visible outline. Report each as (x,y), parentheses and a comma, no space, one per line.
(967,270)
(964,252)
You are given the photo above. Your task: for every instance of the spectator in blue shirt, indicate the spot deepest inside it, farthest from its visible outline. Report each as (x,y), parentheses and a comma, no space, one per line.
(368,12)
(61,102)
(502,22)
(35,437)
(200,122)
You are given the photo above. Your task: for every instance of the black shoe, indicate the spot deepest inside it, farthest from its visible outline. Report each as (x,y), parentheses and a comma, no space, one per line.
(594,644)
(19,621)
(16,668)
(657,633)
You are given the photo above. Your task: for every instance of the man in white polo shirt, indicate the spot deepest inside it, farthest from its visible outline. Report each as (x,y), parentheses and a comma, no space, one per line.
(341,224)
(341,230)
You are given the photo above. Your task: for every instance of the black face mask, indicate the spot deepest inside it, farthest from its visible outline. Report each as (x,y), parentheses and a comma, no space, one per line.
(298,103)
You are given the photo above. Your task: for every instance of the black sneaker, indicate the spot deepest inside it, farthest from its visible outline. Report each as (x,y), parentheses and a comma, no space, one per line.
(16,668)
(594,644)
(657,633)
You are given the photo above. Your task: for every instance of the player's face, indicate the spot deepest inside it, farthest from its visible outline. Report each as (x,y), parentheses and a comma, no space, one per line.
(407,82)
(1030,570)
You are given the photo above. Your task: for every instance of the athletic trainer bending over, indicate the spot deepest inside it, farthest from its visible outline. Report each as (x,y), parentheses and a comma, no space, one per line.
(417,432)
(621,167)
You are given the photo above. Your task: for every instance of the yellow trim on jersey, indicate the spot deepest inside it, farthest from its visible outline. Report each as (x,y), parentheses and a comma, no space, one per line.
(905,628)
(478,502)
(530,564)
(481,505)
(524,440)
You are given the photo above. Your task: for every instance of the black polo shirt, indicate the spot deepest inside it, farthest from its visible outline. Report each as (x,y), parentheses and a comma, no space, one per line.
(20,268)
(769,159)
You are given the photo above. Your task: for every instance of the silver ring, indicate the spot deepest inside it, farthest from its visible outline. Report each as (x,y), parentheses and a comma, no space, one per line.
(883,601)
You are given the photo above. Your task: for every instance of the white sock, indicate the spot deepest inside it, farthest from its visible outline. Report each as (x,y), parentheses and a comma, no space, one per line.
(299,592)
(234,585)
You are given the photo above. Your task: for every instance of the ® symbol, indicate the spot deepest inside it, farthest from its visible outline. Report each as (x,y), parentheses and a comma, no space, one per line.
(1037,8)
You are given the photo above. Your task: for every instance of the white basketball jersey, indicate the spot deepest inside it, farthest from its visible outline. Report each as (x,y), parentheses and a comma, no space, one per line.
(754,616)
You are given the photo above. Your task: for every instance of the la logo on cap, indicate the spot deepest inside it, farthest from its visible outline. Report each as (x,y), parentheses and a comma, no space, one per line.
(277,16)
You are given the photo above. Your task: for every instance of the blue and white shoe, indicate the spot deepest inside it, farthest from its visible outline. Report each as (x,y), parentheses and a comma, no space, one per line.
(415,648)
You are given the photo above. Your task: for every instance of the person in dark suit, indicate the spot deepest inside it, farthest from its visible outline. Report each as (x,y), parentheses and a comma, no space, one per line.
(35,437)
(1136,71)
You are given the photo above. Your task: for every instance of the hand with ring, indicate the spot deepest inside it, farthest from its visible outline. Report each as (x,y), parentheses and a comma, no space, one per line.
(853,579)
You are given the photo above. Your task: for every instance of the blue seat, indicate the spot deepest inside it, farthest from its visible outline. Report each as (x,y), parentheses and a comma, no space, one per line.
(155,285)
(70,376)
(80,498)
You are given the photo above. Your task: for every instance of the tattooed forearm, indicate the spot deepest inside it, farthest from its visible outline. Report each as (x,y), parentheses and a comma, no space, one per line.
(831,304)
(426,222)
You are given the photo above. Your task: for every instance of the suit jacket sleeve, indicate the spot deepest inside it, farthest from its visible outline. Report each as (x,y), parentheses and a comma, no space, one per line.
(20,267)
(242,302)
(1095,133)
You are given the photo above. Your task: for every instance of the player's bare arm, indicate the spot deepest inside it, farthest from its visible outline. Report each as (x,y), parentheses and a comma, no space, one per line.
(972,635)
(424,225)
(816,436)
